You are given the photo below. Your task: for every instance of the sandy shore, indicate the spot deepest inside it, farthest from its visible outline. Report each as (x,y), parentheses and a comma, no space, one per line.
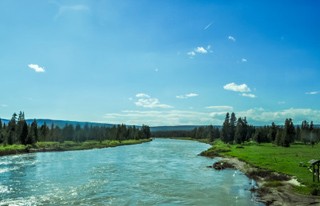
(280,195)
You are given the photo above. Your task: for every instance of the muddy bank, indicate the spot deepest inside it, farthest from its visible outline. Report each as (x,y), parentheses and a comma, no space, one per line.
(273,188)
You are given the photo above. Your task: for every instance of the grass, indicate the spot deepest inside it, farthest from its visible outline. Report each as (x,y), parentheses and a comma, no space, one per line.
(274,158)
(65,146)
(12,149)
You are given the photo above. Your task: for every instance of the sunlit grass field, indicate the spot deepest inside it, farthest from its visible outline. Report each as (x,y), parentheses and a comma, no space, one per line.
(291,160)
(66,145)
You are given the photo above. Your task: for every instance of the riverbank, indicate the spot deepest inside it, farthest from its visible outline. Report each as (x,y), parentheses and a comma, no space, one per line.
(65,146)
(274,187)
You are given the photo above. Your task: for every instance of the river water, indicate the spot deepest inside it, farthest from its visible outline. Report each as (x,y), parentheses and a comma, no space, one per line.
(161,172)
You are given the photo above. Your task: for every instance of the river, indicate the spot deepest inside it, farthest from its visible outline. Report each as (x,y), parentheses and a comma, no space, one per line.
(160,172)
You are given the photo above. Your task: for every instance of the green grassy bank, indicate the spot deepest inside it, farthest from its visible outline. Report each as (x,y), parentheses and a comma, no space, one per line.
(292,161)
(64,146)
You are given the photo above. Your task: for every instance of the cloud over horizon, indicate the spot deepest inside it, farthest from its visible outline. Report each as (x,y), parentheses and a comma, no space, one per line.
(255,116)
(146,101)
(186,96)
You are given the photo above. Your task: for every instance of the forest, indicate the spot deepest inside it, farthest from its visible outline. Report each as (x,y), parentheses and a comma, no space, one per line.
(238,130)
(17,131)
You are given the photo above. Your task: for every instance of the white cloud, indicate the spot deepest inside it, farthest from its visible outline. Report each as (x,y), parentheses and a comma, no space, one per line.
(281,102)
(142,95)
(231,38)
(313,92)
(237,88)
(146,101)
(201,50)
(186,96)
(191,54)
(3,105)
(36,68)
(244,60)
(248,95)
(220,108)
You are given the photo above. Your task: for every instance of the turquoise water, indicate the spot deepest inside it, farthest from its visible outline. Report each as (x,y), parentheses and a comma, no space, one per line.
(161,172)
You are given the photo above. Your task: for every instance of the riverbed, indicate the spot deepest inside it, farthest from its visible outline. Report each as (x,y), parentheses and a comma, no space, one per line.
(160,172)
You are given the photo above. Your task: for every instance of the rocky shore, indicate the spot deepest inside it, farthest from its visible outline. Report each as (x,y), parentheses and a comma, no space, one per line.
(273,188)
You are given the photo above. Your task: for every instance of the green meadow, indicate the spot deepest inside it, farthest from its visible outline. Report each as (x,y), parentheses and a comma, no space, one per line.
(65,146)
(291,160)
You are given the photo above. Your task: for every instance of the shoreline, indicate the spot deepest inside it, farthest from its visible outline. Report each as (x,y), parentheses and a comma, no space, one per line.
(62,148)
(280,194)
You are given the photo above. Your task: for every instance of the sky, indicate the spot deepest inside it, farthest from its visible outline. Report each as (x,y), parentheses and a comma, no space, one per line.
(169,62)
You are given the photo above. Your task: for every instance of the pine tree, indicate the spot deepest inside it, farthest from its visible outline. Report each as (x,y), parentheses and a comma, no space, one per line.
(1,133)
(225,131)
(272,132)
(233,120)
(22,128)
(12,127)
(239,134)
(288,134)
(33,133)
(44,132)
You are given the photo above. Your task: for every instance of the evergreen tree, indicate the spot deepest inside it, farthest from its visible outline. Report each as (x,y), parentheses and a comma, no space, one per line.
(233,120)
(273,132)
(22,128)
(12,127)
(44,132)
(240,133)
(1,133)
(146,134)
(288,134)
(225,131)
(33,133)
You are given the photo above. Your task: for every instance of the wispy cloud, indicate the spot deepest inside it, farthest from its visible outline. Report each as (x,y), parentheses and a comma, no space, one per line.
(248,95)
(146,101)
(313,92)
(191,54)
(71,8)
(3,105)
(237,87)
(281,102)
(220,108)
(186,96)
(231,38)
(160,118)
(255,116)
(207,27)
(262,116)
(36,68)
(244,60)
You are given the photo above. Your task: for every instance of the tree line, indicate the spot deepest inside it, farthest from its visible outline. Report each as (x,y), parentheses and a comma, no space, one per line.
(17,131)
(238,130)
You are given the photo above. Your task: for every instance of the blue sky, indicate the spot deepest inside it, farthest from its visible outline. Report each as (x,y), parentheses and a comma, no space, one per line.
(169,62)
